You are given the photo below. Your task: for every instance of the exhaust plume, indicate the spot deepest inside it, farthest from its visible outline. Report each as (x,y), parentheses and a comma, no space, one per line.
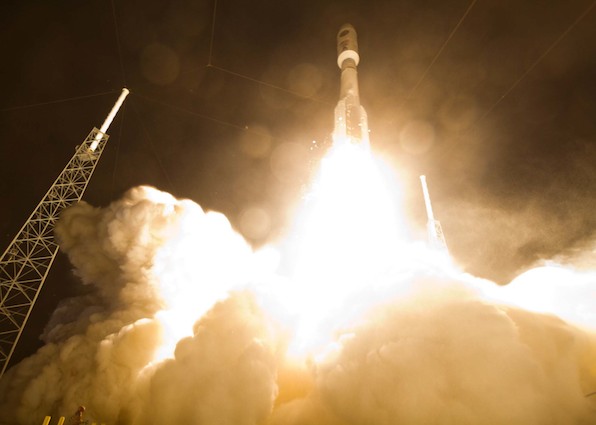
(182,324)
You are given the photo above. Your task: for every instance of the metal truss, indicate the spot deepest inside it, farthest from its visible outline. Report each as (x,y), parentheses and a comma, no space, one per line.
(27,260)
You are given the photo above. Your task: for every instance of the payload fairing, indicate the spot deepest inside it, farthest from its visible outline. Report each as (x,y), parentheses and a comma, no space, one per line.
(351,122)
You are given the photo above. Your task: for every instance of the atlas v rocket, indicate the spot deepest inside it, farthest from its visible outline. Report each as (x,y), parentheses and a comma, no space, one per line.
(351,122)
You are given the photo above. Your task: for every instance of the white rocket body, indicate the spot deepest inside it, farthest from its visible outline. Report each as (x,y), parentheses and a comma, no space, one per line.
(351,121)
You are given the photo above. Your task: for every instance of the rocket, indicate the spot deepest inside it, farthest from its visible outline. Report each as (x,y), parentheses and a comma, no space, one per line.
(351,122)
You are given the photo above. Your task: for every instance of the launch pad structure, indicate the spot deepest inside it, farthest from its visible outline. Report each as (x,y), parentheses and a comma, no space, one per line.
(25,263)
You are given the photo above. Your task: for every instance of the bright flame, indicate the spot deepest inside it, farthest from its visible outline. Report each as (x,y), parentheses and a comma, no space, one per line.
(350,237)
(376,328)
(210,260)
(563,291)
(349,233)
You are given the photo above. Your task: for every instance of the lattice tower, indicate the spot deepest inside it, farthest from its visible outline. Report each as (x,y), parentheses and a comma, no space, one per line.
(26,262)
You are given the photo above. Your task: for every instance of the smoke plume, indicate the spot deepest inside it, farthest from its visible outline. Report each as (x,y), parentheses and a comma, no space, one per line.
(179,326)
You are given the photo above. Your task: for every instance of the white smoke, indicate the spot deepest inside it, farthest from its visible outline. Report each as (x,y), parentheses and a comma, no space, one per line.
(430,348)
(224,374)
(452,362)
(98,345)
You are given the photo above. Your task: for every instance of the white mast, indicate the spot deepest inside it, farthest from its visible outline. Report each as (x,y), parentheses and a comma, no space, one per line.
(435,232)
(106,124)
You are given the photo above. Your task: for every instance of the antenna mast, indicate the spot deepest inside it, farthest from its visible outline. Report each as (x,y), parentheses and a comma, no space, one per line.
(435,232)
(26,262)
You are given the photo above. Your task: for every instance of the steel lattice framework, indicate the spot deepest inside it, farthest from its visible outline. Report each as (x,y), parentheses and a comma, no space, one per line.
(27,260)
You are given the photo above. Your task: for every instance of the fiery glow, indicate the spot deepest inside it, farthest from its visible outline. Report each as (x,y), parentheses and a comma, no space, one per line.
(364,325)
(349,232)
(203,247)
(563,291)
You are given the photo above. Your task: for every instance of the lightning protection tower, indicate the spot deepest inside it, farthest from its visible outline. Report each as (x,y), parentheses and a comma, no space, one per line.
(27,260)
(435,231)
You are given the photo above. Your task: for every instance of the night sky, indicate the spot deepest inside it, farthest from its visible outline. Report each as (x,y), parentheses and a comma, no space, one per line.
(497,109)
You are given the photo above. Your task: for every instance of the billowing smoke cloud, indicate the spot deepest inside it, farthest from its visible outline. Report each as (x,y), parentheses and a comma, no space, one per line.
(224,374)
(431,348)
(99,345)
(457,361)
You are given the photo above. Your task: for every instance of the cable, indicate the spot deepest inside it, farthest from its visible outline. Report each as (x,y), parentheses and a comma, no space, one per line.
(212,33)
(118,43)
(261,82)
(51,102)
(542,56)
(188,111)
(147,134)
(254,80)
(209,118)
(117,149)
(423,76)
(246,77)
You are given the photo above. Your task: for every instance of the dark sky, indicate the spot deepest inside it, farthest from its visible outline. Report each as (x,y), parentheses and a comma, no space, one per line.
(501,118)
